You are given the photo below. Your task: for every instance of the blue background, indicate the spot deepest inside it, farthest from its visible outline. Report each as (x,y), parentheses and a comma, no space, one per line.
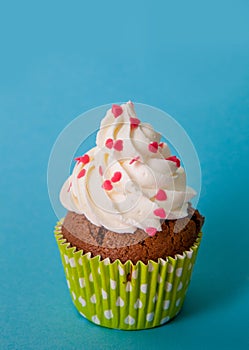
(59,59)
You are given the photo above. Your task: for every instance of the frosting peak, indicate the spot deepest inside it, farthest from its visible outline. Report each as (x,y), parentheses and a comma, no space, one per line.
(129,180)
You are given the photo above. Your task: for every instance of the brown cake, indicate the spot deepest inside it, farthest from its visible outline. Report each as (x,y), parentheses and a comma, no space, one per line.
(176,237)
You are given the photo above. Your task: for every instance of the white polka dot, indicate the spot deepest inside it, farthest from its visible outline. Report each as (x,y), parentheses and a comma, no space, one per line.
(150,267)
(159,279)
(121,270)
(170,268)
(179,286)
(129,320)
(66,259)
(99,272)
(164,320)
(168,286)
(80,261)
(91,277)
(83,314)
(82,301)
(150,316)
(166,304)
(88,256)
(113,284)
(108,314)
(144,288)
(179,272)
(154,300)
(95,319)
(128,287)
(120,302)
(138,304)
(104,294)
(72,262)
(134,274)
(107,261)
(178,302)
(82,282)
(67,273)
(189,254)
(189,266)
(74,296)
(93,299)
(68,284)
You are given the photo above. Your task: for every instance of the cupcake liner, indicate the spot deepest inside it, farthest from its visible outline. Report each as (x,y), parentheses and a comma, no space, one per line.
(126,296)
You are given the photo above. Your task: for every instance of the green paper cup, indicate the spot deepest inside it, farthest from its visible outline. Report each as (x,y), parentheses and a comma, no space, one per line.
(126,296)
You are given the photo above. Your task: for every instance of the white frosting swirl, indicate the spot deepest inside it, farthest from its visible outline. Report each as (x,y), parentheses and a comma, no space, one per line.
(126,182)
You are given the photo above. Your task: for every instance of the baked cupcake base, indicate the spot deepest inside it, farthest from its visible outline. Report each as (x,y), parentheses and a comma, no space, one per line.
(126,296)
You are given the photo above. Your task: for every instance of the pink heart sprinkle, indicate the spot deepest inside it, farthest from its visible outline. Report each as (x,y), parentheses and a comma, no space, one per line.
(134,160)
(134,122)
(153,147)
(69,187)
(116,176)
(84,159)
(161,195)
(160,212)
(151,231)
(118,145)
(107,185)
(100,171)
(174,159)
(109,143)
(81,173)
(117,110)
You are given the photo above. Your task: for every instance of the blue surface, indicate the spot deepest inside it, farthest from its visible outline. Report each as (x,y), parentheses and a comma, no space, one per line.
(58,59)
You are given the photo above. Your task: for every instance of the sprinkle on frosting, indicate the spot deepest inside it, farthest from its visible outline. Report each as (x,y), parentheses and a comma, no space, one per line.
(100,170)
(107,185)
(134,122)
(160,212)
(81,173)
(118,145)
(83,159)
(151,231)
(109,143)
(161,195)
(116,176)
(153,147)
(117,110)
(174,159)
(134,160)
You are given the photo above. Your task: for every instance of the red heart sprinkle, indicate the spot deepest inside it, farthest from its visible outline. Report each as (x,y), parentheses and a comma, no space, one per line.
(161,195)
(116,176)
(153,147)
(69,187)
(109,143)
(117,110)
(134,160)
(107,185)
(161,144)
(174,159)
(100,170)
(151,231)
(134,122)
(84,159)
(81,173)
(118,145)
(160,212)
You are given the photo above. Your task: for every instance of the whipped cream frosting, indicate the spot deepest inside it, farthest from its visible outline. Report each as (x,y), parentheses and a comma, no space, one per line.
(130,179)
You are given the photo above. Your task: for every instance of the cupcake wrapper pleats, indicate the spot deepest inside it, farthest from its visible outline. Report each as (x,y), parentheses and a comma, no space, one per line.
(126,296)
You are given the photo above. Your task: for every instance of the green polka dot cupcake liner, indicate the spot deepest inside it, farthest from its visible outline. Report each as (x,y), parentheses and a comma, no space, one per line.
(126,296)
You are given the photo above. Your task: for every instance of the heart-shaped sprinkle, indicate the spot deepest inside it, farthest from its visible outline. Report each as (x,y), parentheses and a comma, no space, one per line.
(100,171)
(174,159)
(116,176)
(109,143)
(134,160)
(118,145)
(84,159)
(153,147)
(160,212)
(134,122)
(161,195)
(117,110)
(161,144)
(107,185)
(151,231)
(81,173)
(69,187)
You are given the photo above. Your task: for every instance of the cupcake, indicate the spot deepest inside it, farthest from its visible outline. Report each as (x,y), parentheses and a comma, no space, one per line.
(129,240)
